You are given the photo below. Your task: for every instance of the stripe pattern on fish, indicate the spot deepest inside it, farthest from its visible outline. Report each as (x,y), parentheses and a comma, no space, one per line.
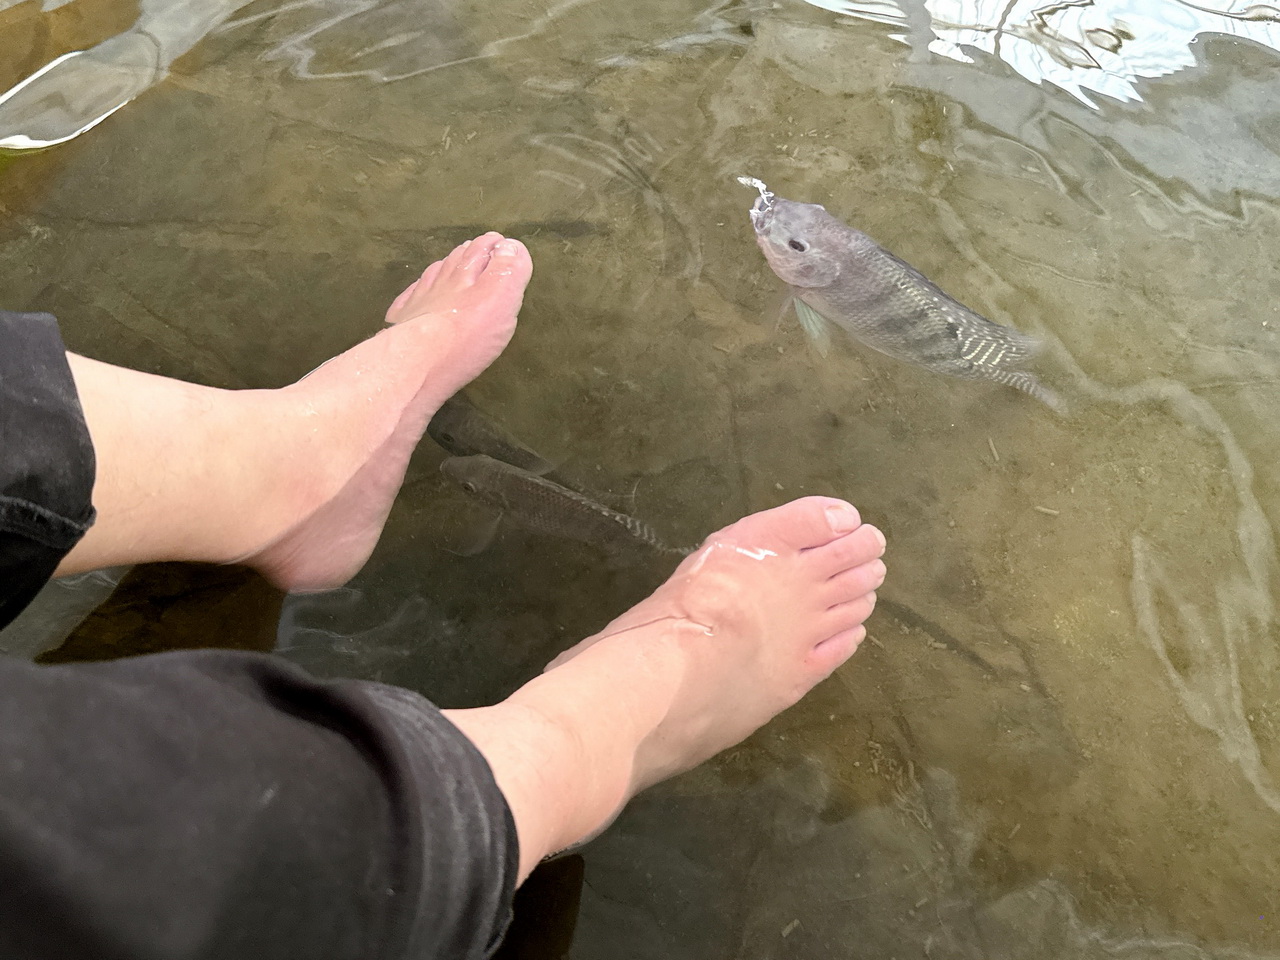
(840,275)
(547,507)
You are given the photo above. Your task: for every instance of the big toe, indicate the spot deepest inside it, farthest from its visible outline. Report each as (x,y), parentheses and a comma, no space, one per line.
(801,525)
(509,266)
(473,261)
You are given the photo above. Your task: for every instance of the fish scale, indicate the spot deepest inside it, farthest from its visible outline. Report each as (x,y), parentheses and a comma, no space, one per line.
(846,278)
(462,429)
(548,507)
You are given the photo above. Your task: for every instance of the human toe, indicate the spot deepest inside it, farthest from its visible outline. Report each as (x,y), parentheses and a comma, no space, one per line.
(460,257)
(847,615)
(854,549)
(476,258)
(853,582)
(799,525)
(509,263)
(830,653)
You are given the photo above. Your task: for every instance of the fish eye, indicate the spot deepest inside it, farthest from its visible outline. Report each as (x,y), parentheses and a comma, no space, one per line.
(468,486)
(797,245)
(446,437)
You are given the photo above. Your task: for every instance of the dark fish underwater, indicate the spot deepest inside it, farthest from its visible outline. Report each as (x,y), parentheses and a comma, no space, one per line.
(547,507)
(462,429)
(840,275)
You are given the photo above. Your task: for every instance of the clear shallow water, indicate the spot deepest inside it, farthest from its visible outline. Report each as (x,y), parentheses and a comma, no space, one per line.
(1063,741)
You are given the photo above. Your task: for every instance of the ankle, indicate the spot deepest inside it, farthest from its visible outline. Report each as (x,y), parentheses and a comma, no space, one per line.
(590,762)
(288,467)
(621,689)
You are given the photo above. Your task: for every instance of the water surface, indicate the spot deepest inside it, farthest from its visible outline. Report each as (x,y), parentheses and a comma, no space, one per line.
(1062,739)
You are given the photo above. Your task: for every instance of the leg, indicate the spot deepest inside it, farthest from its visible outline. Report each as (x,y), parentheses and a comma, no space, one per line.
(743,629)
(296,482)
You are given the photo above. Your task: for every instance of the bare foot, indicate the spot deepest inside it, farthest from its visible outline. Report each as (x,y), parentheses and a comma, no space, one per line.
(745,627)
(296,482)
(369,407)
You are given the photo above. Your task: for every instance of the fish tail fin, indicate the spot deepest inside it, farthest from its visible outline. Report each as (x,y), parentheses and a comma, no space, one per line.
(815,325)
(1028,344)
(1030,384)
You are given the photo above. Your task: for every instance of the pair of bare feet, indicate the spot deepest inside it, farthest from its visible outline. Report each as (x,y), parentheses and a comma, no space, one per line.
(298,482)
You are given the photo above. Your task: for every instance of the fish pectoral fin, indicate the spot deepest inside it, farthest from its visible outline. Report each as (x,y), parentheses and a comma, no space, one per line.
(478,538)
(542,466)
(815,325)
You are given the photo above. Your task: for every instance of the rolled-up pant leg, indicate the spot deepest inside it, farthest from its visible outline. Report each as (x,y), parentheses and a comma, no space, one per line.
(214,805)
(46,459)
(217,805)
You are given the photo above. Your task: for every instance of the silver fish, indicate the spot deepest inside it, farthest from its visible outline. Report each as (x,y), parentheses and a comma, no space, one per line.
(840,275)
(547,507)
(462,429)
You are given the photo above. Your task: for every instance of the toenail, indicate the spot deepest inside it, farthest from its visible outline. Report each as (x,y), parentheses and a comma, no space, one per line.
(842,519)
(879,537)
(505,248)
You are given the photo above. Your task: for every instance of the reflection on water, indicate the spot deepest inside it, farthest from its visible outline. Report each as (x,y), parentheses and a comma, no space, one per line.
(79,89)
(57,611)
(1064,731)
(1098,45)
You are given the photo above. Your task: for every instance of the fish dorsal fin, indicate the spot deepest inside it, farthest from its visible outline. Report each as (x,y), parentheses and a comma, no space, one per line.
(642,530)
(815,325)
(633,525)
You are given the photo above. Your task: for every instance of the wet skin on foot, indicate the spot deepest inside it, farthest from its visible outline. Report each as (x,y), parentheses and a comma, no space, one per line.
(296,482)
(377,398)
(746,625)
(767,607)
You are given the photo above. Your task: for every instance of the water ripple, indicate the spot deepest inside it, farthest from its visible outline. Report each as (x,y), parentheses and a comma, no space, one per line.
(1103,46)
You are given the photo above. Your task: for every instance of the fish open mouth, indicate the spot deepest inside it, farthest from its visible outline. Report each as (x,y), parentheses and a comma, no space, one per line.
(763,207)
(761,213)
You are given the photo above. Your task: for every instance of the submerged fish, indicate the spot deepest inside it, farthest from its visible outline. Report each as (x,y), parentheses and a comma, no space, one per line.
(548,507)
(463,430)
(840,275)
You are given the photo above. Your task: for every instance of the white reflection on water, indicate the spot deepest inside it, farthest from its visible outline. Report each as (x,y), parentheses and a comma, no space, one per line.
(80,89)
(1103,46)
(379,39)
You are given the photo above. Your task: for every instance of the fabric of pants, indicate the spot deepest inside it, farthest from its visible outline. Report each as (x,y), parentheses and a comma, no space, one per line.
(46,459)
(214,804)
